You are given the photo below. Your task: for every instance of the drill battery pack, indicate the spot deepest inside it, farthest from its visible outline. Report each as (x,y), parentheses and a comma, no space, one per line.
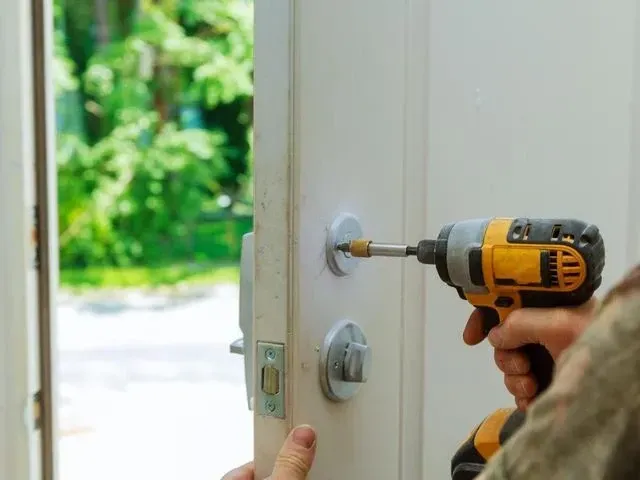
(484,441)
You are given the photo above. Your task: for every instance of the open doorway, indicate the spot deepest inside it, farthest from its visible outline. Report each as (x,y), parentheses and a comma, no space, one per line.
(153,103)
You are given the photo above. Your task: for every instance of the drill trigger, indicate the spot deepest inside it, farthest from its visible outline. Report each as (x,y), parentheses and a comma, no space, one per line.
(490,319)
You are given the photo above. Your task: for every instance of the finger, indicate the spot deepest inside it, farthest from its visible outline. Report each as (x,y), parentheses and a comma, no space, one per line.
(474,331)
(523,403)
(527,325)
(245,472)
(512,362)
(520,386)
(296,456)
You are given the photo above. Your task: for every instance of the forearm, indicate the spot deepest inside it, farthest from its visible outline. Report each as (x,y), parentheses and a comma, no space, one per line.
(585,425)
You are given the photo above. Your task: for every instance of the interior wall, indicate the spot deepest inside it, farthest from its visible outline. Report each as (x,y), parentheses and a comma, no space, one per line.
(531,113)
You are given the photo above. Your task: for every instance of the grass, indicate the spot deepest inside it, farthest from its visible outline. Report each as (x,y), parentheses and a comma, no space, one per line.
(149,277)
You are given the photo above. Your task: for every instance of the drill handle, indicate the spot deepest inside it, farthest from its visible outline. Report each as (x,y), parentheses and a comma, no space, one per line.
(542,365)
(540,360)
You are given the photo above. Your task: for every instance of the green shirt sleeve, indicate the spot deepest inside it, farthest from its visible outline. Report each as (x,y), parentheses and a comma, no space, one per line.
(587,424)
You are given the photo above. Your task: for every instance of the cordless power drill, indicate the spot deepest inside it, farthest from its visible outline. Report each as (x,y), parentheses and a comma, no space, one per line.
(499,265)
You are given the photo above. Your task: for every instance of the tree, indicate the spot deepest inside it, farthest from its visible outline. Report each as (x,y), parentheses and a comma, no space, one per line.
(154,103)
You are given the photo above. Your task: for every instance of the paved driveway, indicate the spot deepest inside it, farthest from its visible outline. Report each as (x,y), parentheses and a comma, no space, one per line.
(148,388)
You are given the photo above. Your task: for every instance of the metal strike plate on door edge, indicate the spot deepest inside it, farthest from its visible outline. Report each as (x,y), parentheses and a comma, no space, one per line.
(270,388)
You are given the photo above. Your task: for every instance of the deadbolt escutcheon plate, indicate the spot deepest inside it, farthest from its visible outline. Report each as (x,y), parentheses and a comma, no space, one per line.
(345,227)
(345,361)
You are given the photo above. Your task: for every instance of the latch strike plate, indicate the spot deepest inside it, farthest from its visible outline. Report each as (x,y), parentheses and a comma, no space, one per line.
(269,398)
(37,410)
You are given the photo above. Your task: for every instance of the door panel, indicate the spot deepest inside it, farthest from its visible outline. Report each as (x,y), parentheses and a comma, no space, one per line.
(333,136)
(412,115)
(349,146)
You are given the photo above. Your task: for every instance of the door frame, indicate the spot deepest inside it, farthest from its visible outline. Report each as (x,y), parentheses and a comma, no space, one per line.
(28,259)
(46,177)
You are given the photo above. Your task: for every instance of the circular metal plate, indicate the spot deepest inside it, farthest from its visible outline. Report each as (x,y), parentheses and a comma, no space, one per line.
(332,360)
(344,228)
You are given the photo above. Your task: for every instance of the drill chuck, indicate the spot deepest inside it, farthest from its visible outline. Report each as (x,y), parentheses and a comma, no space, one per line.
(426,252)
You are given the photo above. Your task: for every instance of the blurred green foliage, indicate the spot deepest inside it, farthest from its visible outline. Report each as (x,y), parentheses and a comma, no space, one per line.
(153,105)
(162,276)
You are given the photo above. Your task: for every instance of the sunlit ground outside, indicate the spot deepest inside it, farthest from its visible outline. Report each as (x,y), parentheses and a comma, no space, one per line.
(148,386)
(154,156)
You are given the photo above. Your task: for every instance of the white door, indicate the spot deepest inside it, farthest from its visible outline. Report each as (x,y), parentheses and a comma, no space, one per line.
(340,120)
(410,115)
(28,253)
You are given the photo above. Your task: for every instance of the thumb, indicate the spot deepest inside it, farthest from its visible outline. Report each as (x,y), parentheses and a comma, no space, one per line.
(525,326)
(296,455)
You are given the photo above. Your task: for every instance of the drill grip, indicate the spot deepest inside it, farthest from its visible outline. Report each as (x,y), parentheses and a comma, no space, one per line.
(540,360)
(542,365)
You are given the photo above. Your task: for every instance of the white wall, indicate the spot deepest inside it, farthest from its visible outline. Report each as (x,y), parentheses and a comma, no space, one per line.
(531,113)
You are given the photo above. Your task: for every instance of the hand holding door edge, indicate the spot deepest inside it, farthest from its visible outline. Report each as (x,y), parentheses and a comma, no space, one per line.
(293,461)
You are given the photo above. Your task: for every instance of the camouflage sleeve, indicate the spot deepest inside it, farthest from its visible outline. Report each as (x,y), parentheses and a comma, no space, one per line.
(586,425)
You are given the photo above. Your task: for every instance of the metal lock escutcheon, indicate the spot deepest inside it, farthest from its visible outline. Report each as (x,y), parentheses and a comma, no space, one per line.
(345,361)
